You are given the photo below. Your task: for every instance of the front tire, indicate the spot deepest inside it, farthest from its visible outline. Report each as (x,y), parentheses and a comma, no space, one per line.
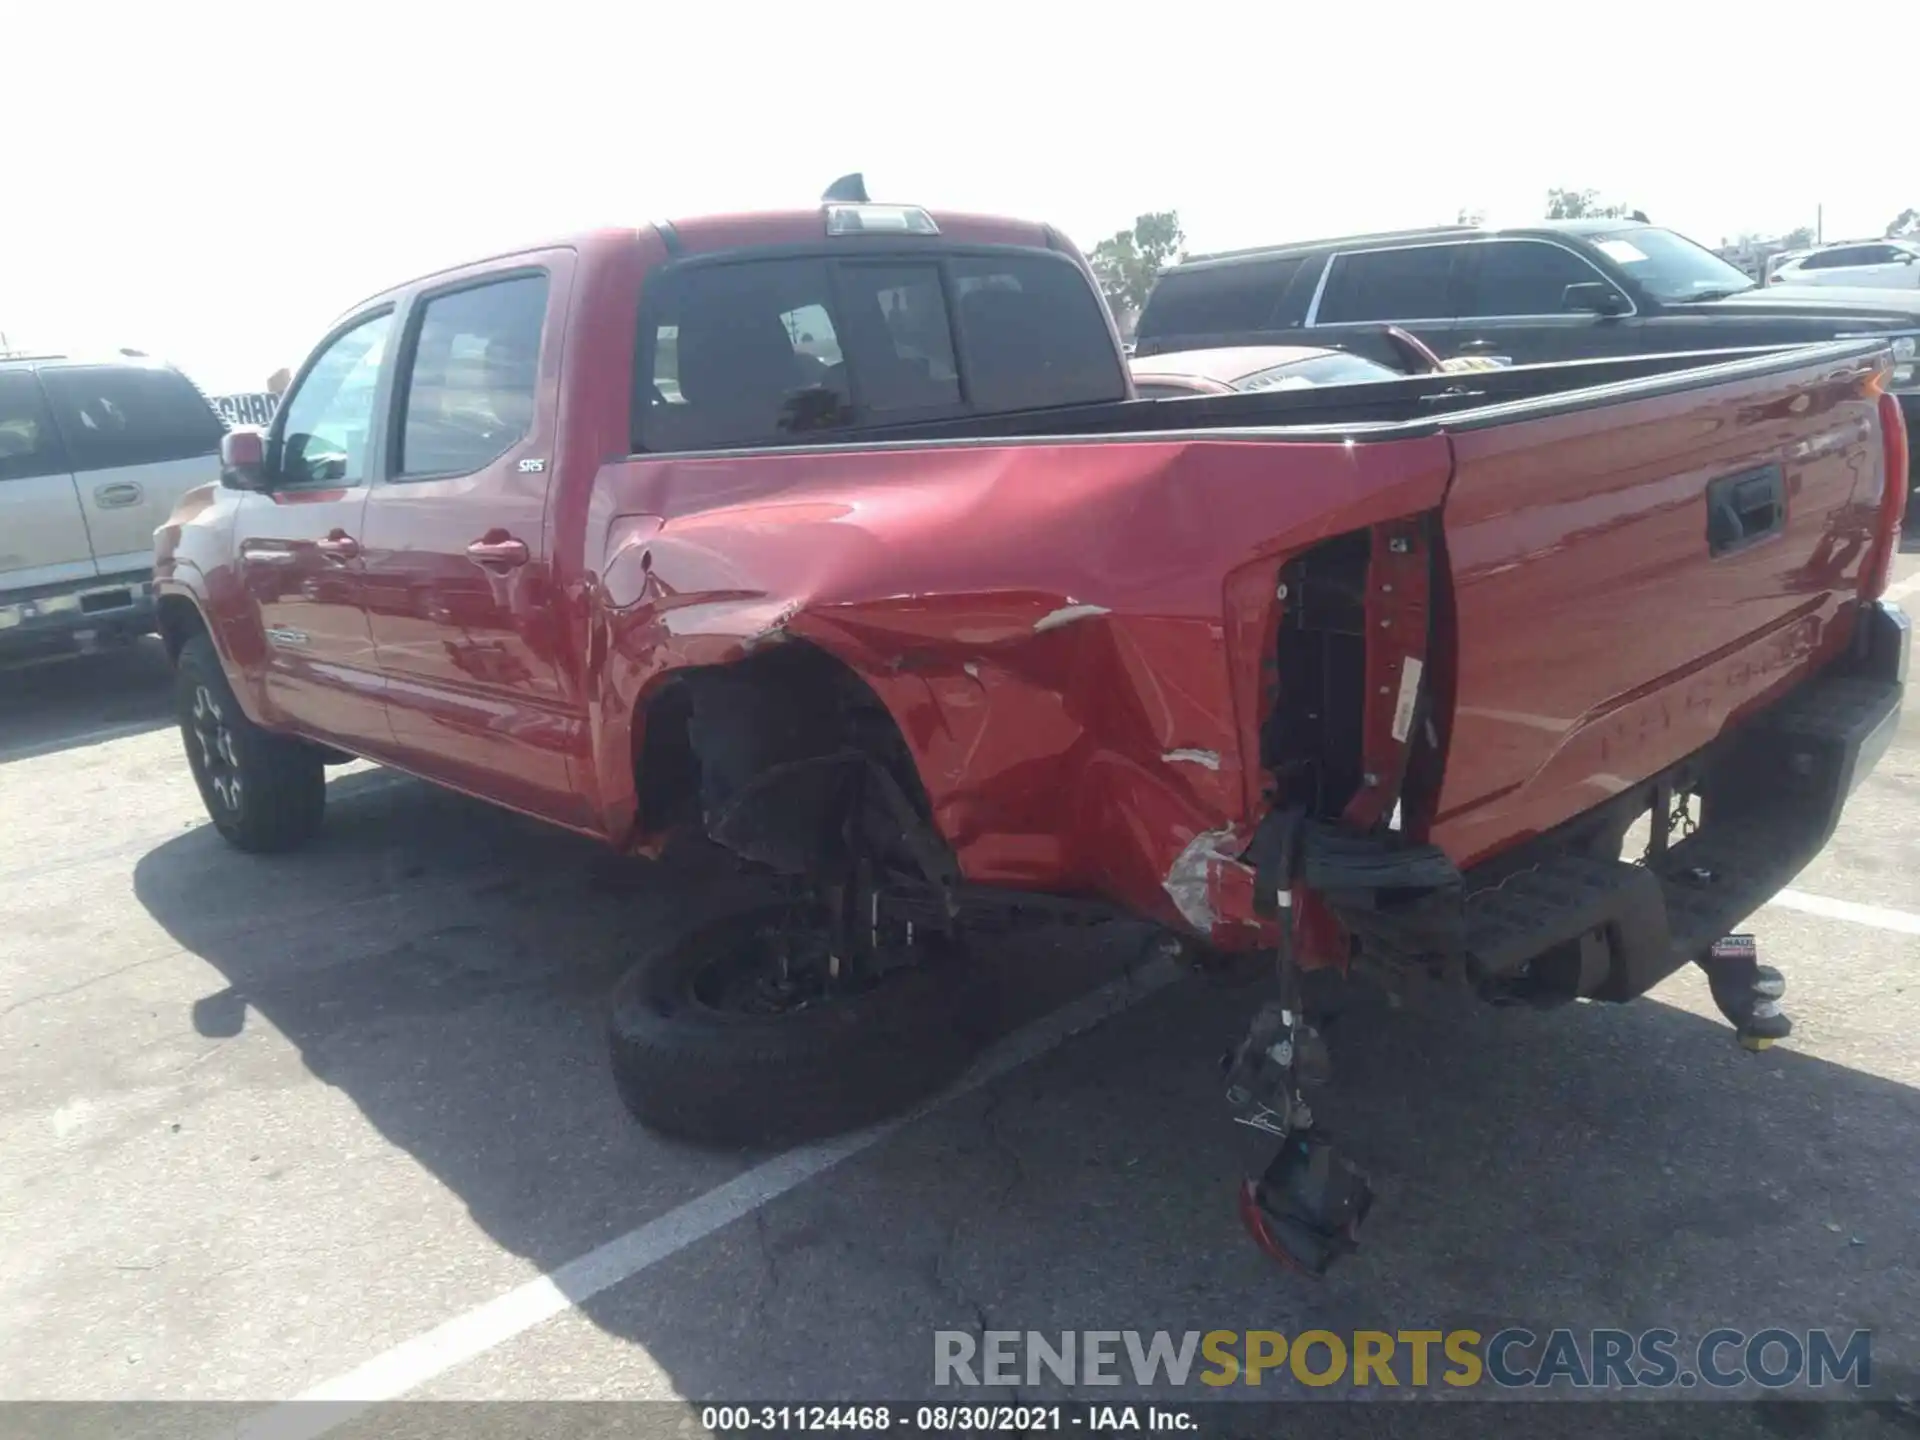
(696,1057)
(265,793)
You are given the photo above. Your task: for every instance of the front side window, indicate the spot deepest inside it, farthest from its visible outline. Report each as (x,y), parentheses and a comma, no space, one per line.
(29,446)
(1387,285)
(1522,277)
(112,415)
(473,379)
(326,421)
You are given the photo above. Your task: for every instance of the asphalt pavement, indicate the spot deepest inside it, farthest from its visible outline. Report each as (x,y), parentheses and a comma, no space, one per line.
(339,1124)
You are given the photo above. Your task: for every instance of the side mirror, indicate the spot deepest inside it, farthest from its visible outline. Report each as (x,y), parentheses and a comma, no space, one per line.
(1595,297)
(1414,353)
(243,459)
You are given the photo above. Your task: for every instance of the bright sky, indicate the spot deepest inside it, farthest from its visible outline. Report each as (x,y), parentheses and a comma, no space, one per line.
(215,182)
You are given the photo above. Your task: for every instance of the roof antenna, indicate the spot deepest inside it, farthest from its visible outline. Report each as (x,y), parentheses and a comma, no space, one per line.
(848,188)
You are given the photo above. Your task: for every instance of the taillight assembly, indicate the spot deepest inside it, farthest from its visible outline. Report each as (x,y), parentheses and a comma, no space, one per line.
(1893,501)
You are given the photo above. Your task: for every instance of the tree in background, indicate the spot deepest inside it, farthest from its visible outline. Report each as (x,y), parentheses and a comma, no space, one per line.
(1907,222)
(1585,205)
(1126,262)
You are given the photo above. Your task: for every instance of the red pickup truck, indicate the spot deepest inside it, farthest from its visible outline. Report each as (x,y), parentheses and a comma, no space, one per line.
(836,540)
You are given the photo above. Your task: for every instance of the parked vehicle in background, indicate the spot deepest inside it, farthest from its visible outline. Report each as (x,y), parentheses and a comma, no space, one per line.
(1776,261)
(1251,367)
(1865,264)
(93,455)
(837,543)
(1243,368)
(1559,290)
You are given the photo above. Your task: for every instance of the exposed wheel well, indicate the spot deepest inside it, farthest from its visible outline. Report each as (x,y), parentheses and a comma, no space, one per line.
(179,620)
(710,733)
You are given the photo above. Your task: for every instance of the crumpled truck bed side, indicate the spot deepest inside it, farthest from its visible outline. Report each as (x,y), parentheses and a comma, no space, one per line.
(1074,639)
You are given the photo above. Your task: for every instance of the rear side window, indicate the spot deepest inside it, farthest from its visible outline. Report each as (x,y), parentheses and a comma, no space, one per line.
(110,416)
(748,352)
(473,377)
(1219,299)
(1520,277)
(1847,256)
(29,445)
(1383,285)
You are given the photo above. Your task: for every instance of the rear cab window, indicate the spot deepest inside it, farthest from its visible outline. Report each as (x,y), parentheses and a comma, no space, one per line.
(784,348)
(112,416)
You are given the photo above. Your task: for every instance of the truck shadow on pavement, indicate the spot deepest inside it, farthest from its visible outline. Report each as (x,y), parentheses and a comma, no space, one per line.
(444,965)
(54,705)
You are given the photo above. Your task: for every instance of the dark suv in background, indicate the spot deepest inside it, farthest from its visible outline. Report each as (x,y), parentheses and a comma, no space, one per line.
(1560,290)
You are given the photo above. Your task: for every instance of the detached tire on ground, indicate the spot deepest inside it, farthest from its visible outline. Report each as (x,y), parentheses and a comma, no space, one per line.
(264,792)
(689,1067)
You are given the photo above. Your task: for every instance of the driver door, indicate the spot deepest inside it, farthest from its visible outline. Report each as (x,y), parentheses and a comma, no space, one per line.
(298,545)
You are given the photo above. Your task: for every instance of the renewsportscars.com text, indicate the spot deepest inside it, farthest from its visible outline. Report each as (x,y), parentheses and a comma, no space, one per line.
(1513,1358)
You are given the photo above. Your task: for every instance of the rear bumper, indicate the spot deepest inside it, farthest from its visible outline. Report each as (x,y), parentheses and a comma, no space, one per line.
(1565,916)
(50,619)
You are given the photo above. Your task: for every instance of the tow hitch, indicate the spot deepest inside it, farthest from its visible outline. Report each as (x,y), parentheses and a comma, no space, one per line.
(1747,992)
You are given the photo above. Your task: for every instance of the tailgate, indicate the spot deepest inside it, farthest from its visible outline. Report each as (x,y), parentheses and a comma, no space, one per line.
(1631,573)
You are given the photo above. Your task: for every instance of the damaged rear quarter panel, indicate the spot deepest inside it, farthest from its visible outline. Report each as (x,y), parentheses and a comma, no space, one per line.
(1070,636)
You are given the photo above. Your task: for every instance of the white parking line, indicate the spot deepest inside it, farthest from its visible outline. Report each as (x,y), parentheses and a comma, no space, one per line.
(1880,917)
(412,1363)
(1902,590)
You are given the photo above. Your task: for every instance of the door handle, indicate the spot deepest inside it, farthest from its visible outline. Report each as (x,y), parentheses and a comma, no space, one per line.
(117,496)
(506,552)
(337,546)
(1745,507)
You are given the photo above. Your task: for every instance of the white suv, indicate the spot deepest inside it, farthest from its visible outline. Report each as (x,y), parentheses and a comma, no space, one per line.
(1866,265)
(92,457)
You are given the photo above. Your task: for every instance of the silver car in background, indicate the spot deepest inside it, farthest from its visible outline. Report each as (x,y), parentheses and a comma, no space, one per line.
(93,455)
